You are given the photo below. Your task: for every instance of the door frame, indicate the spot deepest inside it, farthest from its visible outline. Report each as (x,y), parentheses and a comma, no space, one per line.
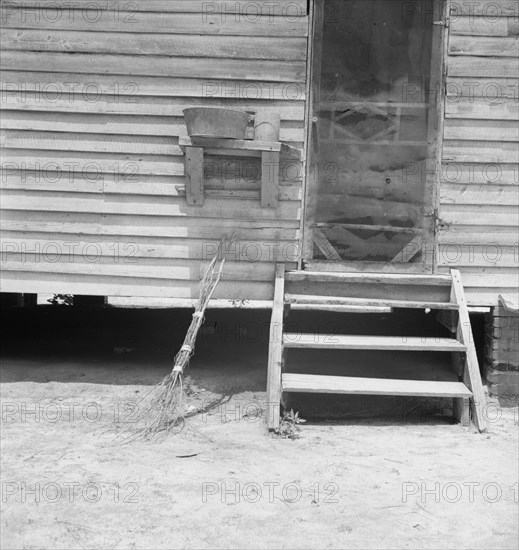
(435,133)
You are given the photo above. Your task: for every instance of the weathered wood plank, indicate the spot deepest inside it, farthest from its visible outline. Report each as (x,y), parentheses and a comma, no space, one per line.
(94,86)
(458,214)
(129,166)
(153,65)
(473,234)
(145,205)
(479,26)
(217,9)
(480,151)
(490,276)
(269,179)
(221,173)
(483,67)
(464,335)
(19,180)
(368,302)
(468,255)
(479,172)
(97,285)
(118,103)
(181,45)
(465,89)
(195,176)
(146,185)
(275,357)
(90,261)
(489,10)
(129,248)
(479,194)
(481,130)
(122,225)
(168,23)
(67,129)
(312,383)
(369,342)
(483,110)
(366,278)
(484,46)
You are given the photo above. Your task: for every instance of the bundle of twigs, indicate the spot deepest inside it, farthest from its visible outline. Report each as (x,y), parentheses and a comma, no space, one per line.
(163,412)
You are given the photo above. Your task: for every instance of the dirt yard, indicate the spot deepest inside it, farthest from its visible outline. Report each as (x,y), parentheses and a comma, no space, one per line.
(378,482)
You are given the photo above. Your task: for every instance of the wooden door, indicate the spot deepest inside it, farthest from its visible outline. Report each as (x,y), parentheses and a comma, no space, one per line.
(372,173)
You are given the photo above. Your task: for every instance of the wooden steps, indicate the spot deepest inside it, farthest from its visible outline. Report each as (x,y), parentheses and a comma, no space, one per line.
(312,383)
(339,292)
(346,341)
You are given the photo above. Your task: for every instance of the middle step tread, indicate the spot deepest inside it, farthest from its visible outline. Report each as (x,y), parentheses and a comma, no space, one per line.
(348,341)
(312,383)
(368,302)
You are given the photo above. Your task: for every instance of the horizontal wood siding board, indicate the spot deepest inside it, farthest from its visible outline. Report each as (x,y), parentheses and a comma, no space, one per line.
(482,277)
(286,192)
(125,234)
(481,151)
(108,285)
(130,167)
(466,89)
(148,65)
(128,249)
(480,26)
(481,130)
(94,86)
(152,185)
(504,110)
(63,127)
(217,9)
(479,172)
(487,215)
(484,46)
(497,195)
(477,257)
(284,48)
(120,103)
(489,67)
(145,205)
(490,10)
(115,21)
(475,234)
(90,262)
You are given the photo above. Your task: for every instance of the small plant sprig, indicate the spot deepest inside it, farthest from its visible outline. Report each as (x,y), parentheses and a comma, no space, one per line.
(61,300)
(288,427)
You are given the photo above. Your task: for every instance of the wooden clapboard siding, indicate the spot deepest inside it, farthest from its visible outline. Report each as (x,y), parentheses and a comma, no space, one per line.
(478,225)
(93,185)
(143,21)
(181,67)
(284,48)
(124,104)
(244,8)
(73,124)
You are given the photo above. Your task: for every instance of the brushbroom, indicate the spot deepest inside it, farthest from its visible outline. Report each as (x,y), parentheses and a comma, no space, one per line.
(163,413)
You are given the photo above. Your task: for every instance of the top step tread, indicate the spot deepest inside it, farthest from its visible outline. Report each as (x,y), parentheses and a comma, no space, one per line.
(312,383)
(369,278)
(368,302)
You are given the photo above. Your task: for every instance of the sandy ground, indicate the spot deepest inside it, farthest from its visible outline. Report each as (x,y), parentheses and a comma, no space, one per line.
(224,482)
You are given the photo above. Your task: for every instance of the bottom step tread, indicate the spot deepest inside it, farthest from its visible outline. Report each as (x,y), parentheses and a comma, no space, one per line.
(312,383)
